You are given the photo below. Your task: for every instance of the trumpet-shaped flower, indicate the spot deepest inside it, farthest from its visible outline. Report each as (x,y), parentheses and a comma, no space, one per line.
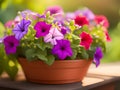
(21,28)
(11,44)
(53,35)
(62,49)
(86,40)
(81,20)
(42,29)
(97,56)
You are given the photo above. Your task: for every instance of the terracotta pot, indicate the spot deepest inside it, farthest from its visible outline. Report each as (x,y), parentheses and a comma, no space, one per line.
(61,72)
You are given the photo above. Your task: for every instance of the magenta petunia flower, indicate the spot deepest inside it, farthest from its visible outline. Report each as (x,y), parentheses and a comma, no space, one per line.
(81,20)
(11,44)
(53,36)
(97,56)
(21,28)
(42,29)
(86,40)
(62,49)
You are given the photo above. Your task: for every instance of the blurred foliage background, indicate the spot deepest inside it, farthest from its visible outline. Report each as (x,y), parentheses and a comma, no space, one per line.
(109,8)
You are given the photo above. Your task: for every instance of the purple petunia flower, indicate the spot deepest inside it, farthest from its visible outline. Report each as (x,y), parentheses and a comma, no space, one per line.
(97,56)
(42,29)
(21,29)
(86,12)
(65,30)
(11,44)
(62,49)
(53,35)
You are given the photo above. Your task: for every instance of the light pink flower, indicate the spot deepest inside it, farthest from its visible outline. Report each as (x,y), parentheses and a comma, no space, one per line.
(53,36)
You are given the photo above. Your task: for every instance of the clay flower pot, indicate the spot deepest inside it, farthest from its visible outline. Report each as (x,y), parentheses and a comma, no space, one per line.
(60,72)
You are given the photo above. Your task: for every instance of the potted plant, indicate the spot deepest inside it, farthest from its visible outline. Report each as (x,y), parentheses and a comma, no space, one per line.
(56,47)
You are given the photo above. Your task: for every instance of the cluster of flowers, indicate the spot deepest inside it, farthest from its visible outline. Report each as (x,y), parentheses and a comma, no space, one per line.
(75,35)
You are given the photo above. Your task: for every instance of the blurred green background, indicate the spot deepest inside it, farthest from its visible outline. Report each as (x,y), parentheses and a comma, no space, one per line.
(109,8)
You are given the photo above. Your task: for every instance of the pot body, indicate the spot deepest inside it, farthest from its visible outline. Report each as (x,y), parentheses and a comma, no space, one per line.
(60,72)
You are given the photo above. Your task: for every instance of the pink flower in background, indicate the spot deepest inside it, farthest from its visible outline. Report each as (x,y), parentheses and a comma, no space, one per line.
(86,40)
(42,29)
(53,36)
(81,20)
(100,19)
(10,23)
(55,10)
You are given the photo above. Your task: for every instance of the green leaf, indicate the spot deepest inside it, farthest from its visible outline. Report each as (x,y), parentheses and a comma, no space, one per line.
(51,59)
(74,54)
(30,54)
(41,57)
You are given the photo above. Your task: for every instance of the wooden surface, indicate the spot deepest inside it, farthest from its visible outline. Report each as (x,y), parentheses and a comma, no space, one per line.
(106,76)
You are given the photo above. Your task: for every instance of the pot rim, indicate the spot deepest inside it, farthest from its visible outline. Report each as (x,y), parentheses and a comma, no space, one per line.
(74,60)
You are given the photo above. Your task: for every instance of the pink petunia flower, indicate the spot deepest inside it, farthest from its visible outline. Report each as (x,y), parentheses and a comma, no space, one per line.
(53,36)
(100,19)
(86,40)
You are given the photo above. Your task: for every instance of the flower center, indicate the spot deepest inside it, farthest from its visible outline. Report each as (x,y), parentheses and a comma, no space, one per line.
(22,30)
(43,29)
(11,44)
(53,37)
(62,48)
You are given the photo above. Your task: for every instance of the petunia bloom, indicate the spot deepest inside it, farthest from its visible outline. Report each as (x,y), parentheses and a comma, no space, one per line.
(100,19)
(11,44)
(54,34)
(9,24)
(21,28)
(86,12)
(97,56)
(86,40)
(55,10)
(42,29)
(81,20)
(62,49)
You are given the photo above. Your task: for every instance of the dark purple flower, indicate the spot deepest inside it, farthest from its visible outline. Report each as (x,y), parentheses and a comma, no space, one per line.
(21,29)
(55,10)
(64,30)
(62,49)
(97,56)
(42,29)
(11,44)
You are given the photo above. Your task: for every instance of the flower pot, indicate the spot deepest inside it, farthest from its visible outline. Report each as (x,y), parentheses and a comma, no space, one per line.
(60,72)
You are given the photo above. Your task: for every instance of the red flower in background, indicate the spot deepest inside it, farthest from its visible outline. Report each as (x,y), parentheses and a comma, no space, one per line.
(86,40)
(100,19)
(81,20)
